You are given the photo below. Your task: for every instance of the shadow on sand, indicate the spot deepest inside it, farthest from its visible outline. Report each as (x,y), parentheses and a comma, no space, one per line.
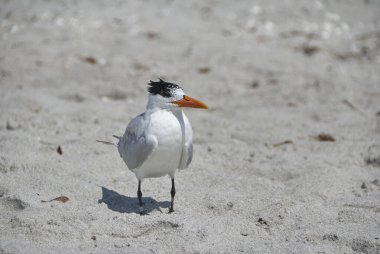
(123,204)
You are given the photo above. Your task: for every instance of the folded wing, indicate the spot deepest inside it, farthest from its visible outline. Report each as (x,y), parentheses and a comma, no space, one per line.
(135,146)
(187,149)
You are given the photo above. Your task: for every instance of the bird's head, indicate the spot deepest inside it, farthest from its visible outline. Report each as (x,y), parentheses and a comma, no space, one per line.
(170,96)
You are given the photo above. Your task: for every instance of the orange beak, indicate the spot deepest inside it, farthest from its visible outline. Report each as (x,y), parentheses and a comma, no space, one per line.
(189,102)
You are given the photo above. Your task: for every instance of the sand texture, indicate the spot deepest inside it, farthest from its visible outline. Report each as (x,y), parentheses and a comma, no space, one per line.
(287,158)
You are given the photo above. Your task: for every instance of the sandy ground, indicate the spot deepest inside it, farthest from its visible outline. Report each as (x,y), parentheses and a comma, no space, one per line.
(276,75)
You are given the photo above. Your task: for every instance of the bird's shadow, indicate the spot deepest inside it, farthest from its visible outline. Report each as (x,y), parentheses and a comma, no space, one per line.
(123,204)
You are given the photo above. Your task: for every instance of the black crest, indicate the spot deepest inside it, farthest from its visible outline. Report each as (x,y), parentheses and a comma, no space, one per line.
(162,88)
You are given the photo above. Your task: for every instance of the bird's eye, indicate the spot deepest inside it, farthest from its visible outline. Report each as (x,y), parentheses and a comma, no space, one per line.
(185,98)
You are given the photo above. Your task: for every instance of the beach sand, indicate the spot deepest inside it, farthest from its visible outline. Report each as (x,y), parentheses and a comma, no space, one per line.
(287,158)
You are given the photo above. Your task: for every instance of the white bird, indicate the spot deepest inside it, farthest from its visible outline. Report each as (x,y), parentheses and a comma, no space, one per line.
(160,140)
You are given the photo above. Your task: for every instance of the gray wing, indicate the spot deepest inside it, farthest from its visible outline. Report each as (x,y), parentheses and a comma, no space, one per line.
(187,149)
(189,154)
(135,146)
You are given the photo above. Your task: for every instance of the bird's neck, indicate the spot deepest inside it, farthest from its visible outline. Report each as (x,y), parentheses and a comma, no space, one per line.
(151,108)
(155,104)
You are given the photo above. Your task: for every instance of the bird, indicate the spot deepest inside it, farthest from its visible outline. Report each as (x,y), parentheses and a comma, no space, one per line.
(159,141)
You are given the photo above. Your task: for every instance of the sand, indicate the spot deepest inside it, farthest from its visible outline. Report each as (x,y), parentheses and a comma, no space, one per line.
(287,158)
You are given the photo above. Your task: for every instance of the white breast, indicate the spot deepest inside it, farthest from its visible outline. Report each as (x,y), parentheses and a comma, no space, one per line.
(167,128)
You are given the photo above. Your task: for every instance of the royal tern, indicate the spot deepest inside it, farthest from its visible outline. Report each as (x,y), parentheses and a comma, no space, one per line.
(160,140)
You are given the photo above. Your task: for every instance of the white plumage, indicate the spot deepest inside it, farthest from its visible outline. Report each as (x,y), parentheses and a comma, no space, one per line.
(157,143)
(160,140)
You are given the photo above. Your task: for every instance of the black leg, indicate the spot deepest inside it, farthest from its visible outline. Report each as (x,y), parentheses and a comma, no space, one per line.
(172,192)
(139,195)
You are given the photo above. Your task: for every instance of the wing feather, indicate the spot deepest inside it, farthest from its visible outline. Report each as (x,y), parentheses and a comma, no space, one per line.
(187,149)
(135,146)
(189,154)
